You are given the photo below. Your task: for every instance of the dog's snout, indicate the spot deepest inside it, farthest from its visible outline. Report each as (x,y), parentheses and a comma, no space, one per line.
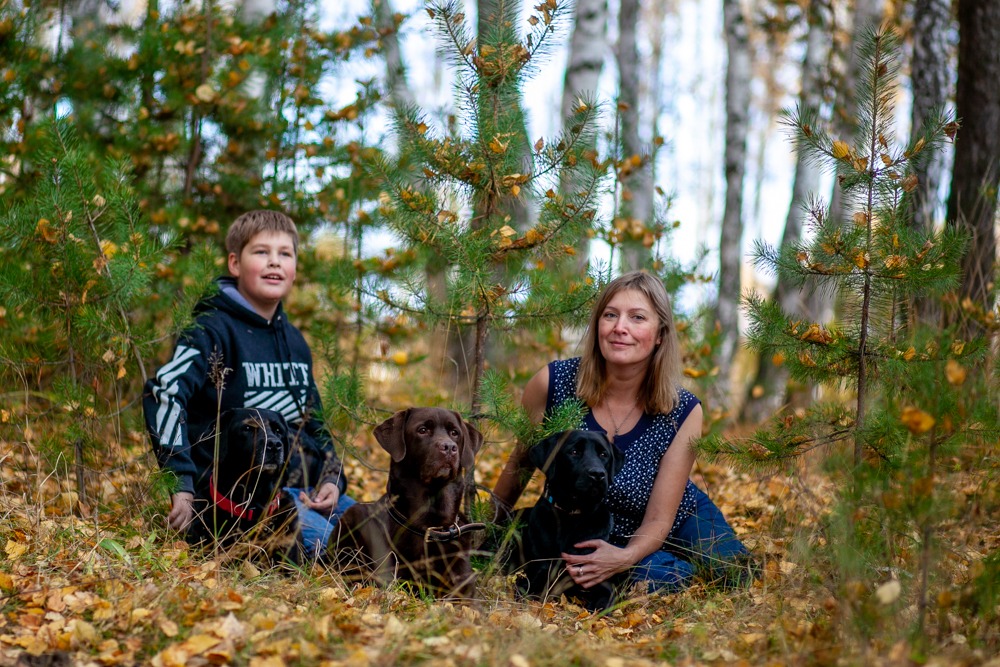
(448,447)
(598,475)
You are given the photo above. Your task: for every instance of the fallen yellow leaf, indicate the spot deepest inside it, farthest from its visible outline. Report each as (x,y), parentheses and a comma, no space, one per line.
(841,150)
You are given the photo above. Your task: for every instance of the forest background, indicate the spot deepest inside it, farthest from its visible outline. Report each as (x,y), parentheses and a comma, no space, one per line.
(466,176)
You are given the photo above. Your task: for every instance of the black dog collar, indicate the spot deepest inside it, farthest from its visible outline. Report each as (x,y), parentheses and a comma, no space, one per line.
(437,534)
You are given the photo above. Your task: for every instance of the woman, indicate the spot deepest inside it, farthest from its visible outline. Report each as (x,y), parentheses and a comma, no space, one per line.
(665,528)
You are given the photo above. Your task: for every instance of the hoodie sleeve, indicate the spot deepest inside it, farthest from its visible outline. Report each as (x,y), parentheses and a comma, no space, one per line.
(165,401)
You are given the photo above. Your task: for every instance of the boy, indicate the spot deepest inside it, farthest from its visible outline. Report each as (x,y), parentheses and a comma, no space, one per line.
(268,365)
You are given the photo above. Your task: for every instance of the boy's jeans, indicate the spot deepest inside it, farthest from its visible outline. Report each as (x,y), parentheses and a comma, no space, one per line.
(316,528)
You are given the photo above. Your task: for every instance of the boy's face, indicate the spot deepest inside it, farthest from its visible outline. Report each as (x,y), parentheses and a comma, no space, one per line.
(265,270)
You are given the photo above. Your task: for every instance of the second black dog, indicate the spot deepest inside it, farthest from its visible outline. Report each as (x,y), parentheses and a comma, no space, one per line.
(578,467)
(241,496)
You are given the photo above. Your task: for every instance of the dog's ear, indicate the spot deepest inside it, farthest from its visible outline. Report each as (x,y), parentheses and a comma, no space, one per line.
(389,435)
(472,440)
(544,451)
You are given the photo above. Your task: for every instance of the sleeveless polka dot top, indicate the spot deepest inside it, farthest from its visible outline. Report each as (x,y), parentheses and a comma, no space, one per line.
(643,446)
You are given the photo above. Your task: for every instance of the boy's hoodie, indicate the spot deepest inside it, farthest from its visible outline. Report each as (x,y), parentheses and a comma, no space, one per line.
(269,366)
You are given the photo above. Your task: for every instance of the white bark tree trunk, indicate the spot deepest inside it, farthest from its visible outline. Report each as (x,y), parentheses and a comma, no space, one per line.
(739,71)
(929,73)
(588,47)
(636,203)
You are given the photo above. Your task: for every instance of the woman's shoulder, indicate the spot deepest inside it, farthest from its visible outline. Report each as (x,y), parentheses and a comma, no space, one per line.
(686,402)
(562,379)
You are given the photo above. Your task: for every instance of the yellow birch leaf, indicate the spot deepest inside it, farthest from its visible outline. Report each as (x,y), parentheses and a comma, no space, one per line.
(45,229)
(515,190)
(694,372)
(860,218)
(916,420)
(507,231)
(909,183)
(954,372)
(14,550)
(198,644)
(909,354)
(841,150)
(168,627)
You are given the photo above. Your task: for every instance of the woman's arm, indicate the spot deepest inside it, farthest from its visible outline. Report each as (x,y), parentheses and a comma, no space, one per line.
(517,472)
(664,500)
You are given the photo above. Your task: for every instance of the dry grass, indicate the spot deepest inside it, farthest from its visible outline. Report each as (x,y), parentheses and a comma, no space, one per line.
(102,582)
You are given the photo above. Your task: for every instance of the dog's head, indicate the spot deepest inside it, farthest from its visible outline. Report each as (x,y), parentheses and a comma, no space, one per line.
(578,467)
(436,444)
(253,439)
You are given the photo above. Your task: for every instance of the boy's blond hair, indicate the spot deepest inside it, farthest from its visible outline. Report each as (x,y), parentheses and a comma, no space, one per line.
(252,223)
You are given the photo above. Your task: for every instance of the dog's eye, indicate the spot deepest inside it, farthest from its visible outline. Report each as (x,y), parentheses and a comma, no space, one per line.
(603,454)
(246,428)
(453,432)
(278,432)
(422,430)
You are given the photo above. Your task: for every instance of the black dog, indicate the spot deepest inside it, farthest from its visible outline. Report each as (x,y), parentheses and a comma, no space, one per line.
(578,467)
(241,496)
(415,532)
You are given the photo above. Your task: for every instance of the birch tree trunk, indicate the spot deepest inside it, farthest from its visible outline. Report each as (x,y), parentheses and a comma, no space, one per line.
(930,76)
(738,75)
(636,205)
(585,61)
(972,203)
(768,391)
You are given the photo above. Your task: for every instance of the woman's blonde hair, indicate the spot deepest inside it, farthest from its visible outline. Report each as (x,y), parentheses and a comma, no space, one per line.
(658,393)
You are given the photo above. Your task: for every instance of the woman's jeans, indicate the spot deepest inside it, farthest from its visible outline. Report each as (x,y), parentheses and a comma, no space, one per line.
(701,544)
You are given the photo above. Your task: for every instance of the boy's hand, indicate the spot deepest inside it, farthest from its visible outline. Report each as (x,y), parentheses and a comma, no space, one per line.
(325,500)
(181,510)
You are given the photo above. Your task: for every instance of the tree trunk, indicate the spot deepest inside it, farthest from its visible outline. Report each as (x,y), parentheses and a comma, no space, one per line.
(930,77)
(587,50)
(768,391)
(738,76)
(972,204)
(636,205)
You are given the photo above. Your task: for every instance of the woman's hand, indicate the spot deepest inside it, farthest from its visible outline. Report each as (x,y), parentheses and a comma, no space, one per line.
(181,510)
(325,500)
(604,561)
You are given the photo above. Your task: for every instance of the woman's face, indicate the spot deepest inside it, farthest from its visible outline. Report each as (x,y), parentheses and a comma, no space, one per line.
(628,329)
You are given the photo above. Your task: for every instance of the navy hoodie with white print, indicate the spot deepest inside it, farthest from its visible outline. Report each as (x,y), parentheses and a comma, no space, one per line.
(269,366)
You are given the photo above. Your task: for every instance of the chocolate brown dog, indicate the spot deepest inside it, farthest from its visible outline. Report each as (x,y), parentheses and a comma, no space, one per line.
(242,497)
(415,531)
(578,466)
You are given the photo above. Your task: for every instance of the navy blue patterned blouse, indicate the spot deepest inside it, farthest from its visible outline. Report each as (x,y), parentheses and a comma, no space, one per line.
(643,446)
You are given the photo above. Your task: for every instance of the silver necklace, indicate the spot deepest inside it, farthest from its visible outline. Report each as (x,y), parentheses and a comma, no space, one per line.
(617,424)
